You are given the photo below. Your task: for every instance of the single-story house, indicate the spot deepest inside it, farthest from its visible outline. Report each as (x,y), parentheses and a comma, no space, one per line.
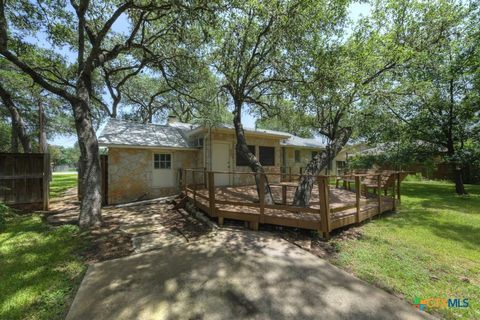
(144,159)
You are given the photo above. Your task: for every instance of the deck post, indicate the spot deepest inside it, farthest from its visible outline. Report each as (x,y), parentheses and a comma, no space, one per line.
(184,180)
(194,187)
(398,187)
(301,170)
(211,192)
(284,194)
(379,187)
(261,196)
(324,206)
(357,199)
(289,174)
(205,177)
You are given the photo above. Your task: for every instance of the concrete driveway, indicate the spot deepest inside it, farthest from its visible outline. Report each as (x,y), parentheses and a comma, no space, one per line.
(232,275)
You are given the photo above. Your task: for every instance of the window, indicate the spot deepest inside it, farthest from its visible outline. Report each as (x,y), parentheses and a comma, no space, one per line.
(162,161)
(314,153)
(267,156)
(239,159)
(297,155)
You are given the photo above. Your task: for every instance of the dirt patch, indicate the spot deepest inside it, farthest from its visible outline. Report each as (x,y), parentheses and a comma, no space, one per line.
(310,240)
(122,226)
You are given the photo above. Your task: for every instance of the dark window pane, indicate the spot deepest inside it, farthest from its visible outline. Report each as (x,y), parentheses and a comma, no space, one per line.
(314,153)
(267,156)
(239,159)
(162,161)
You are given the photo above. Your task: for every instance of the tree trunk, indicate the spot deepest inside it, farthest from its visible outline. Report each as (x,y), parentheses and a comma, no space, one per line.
(90,179)
(17,121)
(303,192)
(42,138)
(14,140)
(456,168)
(458,179)
(242,149)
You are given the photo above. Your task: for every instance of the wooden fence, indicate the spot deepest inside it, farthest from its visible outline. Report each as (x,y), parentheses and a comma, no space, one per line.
(25,180)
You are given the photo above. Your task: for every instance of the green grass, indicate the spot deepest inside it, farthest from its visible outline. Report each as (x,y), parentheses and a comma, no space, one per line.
(40,266)
(426,250)
(61,183)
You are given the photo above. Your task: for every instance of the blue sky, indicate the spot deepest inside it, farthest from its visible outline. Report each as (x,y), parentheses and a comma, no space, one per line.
(356,10)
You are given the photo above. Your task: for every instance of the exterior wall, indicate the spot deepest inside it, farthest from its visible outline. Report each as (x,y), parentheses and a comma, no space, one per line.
(305,158)
(243,179)
(130,173)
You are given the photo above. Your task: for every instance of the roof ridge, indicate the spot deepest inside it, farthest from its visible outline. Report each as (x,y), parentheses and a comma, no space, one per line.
(140,123)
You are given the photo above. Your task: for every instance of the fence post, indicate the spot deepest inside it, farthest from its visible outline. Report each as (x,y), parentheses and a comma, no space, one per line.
(324,206)
(46,180)
(357,199)
(211,192)
(379,186)
(261,196)
(398,187)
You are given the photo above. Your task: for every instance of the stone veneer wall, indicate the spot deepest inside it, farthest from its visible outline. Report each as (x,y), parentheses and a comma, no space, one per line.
(130,173)
(305,158)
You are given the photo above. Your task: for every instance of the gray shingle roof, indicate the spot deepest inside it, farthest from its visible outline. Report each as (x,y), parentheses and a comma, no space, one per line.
(174,135)
(129,133)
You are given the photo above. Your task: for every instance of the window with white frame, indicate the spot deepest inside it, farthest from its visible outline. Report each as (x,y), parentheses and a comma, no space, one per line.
(162,161)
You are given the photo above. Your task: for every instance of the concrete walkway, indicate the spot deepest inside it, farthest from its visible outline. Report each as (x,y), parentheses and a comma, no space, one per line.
(233,275)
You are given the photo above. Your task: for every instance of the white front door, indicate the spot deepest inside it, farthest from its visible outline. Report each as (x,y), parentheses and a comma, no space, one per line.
(221,162)
(162,176)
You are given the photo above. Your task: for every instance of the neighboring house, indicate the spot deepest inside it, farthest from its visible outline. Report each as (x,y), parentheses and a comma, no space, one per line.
(144,159)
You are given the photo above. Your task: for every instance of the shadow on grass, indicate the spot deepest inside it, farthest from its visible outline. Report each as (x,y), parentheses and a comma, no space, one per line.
(436,208)
(442,196)
(41,269)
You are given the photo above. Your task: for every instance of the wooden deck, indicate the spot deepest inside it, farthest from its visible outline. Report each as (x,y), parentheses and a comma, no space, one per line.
(331,209)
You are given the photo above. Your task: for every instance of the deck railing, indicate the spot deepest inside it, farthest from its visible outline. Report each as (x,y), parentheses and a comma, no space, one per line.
(200,185)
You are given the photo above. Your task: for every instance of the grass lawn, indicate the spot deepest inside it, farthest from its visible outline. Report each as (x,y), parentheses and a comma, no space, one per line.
(61,182)
(430,249)
(40,268)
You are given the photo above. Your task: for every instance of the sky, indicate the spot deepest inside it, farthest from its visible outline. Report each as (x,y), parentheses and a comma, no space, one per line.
(356,11)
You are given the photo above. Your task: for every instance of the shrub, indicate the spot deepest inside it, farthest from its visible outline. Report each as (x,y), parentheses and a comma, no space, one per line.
(4,212)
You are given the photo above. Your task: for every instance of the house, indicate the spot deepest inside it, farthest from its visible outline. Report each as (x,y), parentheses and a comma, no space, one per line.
(144,160)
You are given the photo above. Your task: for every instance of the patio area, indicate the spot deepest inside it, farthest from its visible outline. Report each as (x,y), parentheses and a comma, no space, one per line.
(330,207)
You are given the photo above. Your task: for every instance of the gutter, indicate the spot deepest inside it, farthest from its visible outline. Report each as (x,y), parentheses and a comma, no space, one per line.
(127,146)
